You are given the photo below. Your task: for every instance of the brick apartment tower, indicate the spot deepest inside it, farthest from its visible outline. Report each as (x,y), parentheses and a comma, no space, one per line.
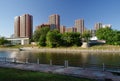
(54,21)
(98,26)
(23,26)
(62,29)
(79,25)
(17,27)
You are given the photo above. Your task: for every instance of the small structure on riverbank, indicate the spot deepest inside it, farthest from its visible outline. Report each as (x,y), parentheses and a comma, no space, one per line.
(21,41)
(85,45)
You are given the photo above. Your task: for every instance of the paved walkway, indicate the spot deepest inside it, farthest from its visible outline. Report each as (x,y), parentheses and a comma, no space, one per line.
(72,71)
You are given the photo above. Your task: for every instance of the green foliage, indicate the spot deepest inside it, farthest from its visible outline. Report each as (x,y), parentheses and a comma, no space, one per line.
(42,40)
(53,38)
(3,41)
(71,38)
(36,35)
(40,35)
(39,32)
(112,37)
(86,35)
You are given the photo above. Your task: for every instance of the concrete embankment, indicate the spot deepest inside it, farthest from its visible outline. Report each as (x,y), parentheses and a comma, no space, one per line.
(61,50)
(67,50)
(9,49)
(71,71)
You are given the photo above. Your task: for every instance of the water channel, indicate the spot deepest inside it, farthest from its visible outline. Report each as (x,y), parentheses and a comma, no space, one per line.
(59,58)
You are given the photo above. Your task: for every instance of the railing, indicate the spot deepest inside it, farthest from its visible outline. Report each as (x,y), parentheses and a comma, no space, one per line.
(66,63)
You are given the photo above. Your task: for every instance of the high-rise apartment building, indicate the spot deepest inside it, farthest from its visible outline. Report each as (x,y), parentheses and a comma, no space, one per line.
(54,21)
(98,26)
(62,29)
(42,26)
(106,25)
(70,29)
(79,25)
(17,27)
(23,26)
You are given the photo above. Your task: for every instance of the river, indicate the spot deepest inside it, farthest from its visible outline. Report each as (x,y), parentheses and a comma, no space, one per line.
(59,58)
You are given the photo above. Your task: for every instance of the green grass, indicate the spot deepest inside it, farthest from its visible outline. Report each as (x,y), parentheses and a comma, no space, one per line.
(7,74)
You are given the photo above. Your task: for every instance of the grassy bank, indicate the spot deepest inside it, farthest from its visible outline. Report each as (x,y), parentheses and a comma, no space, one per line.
(97,48)
(7,74)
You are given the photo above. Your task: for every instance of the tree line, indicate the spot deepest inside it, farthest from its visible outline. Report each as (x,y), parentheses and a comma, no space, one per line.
(53,38)
(3,41)
(112,37)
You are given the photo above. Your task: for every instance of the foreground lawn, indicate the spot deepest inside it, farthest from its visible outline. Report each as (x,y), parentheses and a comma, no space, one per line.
(20,75)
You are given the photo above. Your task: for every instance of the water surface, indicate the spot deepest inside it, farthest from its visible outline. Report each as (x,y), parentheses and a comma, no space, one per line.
(59,58)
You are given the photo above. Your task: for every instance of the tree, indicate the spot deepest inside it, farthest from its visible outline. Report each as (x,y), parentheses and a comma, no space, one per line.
(53,38)
(86,36)
(36,35)
(40,35)
(42,39)
(71,38)
(3,41)
(111,36)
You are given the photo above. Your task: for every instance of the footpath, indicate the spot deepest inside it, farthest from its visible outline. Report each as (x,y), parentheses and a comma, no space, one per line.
(71,71)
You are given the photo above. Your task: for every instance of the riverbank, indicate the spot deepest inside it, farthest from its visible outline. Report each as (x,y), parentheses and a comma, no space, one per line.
(9,74)
(70,50)
(96,49)
(70,71)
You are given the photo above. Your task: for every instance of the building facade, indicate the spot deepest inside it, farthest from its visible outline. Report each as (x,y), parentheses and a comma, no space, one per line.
(23,26)
(54,21)
(107,25)
(79,25)
(42,26)
(97,26)
(17,27)
(71,29)
(62,29)
(19,41)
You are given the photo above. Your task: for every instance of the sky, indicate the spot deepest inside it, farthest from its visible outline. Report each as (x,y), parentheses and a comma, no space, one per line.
(92,11)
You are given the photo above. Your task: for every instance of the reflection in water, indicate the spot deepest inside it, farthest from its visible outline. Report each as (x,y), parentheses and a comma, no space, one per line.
(59,58)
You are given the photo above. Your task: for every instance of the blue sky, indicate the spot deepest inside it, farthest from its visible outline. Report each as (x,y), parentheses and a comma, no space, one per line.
(92,11)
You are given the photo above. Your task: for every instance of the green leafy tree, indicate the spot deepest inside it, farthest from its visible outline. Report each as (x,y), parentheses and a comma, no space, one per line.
(71,38)
(3,41)
(86,36)
(36,35)
(110,36)
(40,35)
(42,39)
(105,34)
(53,38)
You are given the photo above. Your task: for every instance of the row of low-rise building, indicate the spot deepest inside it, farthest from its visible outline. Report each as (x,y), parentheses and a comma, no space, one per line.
(23,27)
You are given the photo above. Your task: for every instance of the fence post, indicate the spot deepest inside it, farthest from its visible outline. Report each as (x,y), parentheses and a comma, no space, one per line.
(83,65)
(5,59)
(103,67)
(38,61)
(14,60)
(66,63)
(26,60)
(50,62)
